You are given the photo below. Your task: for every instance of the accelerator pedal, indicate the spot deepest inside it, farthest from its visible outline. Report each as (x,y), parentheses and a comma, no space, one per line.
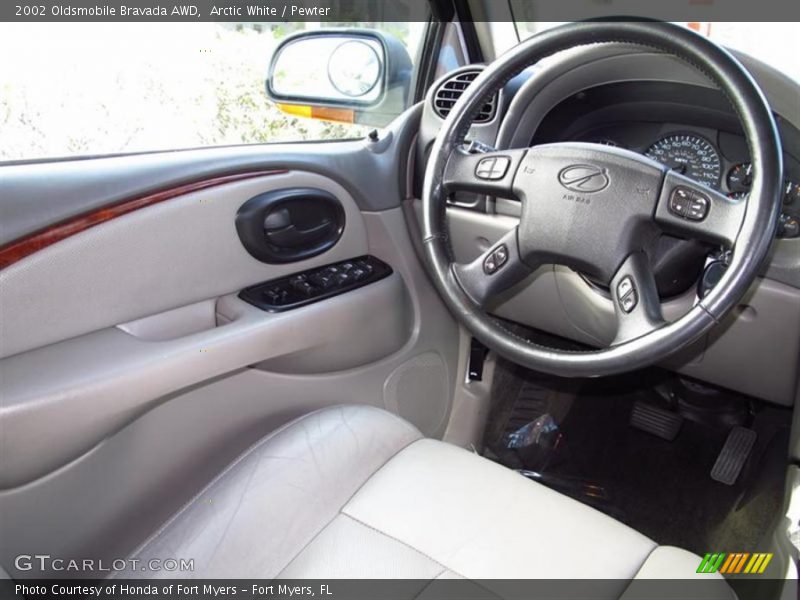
(656,420)
(733,456)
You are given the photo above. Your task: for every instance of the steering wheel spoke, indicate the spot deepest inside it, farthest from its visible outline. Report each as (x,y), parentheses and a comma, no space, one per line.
(494,271)
(490,173)
(692,210)
(636,301)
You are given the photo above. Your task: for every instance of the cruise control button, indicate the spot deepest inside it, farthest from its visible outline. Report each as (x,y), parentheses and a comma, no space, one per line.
(626,294)
(628,303)
(624,286)
(495,260)
(698,207)
(492,168)
(680,200)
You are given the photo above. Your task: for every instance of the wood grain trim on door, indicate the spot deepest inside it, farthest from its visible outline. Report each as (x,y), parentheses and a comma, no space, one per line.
(25,246)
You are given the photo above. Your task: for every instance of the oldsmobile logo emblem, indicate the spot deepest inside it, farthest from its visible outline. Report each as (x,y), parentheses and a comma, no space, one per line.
(586,179)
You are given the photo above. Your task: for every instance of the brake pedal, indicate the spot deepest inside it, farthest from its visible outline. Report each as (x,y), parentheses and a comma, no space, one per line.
(733,455)
(655,420)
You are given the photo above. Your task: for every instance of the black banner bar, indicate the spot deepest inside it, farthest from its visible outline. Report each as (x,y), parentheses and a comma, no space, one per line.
(708,587)
(343,11)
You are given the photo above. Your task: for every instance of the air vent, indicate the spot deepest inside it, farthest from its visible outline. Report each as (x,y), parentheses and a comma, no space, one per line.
(448,93)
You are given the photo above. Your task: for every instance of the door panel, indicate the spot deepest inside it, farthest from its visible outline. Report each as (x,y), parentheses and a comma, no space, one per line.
(161,257)
(132,371)
(105,501)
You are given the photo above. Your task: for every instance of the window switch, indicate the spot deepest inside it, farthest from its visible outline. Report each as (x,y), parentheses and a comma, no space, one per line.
(322,280)
(301,289)
(304,287)
(275,295)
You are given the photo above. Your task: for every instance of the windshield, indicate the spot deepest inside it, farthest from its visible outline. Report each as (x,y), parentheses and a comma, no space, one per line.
(772,43)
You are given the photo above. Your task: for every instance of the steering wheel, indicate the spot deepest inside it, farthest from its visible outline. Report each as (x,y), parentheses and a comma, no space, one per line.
(598,210)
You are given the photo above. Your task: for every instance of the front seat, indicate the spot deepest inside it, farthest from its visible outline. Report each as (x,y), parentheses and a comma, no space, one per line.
(356,492)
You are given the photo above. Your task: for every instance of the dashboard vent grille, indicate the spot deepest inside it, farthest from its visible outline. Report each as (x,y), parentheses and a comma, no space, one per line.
(448,93)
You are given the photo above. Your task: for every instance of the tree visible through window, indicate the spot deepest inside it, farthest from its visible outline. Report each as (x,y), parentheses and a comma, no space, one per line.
(70,89)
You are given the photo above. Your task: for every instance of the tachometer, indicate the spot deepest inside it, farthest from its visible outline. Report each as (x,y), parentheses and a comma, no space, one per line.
(690,155)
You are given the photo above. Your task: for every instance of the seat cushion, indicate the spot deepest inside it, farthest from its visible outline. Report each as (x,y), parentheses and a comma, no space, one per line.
(270,503)
(355,492)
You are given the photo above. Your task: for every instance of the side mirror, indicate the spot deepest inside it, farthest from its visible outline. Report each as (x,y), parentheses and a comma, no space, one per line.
(352,75)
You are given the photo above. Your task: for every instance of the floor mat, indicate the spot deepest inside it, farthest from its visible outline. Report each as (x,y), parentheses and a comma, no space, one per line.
(662,489)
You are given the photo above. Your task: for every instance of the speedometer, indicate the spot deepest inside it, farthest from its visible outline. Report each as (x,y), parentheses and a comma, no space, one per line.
(689,155)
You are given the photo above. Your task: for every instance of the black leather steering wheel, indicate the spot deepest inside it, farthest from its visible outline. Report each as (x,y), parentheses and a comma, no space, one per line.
(598,210)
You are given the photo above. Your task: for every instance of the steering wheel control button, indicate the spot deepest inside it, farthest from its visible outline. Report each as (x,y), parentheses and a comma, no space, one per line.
(495,260)
(626,295)
(629,302)
(680,201)
(492,168)
(689,204)
(624,286)
(698,207)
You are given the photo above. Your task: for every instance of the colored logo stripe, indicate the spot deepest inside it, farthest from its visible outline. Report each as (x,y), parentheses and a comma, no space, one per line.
(710,563)
(758,563)
(736,562)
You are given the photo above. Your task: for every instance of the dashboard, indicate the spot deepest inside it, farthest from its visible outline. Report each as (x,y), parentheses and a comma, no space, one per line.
(655,121)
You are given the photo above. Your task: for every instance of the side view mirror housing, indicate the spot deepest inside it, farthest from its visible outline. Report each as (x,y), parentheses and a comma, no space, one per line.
(351,75)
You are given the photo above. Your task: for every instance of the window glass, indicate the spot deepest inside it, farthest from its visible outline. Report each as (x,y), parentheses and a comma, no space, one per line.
(105,88)
(768,42)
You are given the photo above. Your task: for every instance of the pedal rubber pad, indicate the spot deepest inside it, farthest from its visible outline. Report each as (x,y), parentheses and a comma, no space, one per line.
(655,420)
(733,456)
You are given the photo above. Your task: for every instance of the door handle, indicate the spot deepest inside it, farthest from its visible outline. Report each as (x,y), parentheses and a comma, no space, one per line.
(290,225)
(292,237)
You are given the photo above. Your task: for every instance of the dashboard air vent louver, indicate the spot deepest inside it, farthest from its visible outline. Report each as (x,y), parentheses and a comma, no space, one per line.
(448,93)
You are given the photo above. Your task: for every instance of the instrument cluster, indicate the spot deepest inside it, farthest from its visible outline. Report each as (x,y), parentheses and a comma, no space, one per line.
(695,156)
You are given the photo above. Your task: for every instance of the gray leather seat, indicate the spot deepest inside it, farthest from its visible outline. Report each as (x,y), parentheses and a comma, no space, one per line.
(357,492)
